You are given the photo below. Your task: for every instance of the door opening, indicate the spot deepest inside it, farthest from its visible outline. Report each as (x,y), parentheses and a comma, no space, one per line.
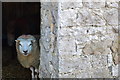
(18,18)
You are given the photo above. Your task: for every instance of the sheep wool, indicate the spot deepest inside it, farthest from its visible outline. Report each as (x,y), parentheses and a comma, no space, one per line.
(27,51)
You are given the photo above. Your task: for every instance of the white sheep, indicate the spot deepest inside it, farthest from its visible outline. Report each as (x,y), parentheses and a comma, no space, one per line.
(28,53)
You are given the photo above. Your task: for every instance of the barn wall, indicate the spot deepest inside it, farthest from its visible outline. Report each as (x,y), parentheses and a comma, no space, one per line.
(1,40)
(48,42)
(83,43)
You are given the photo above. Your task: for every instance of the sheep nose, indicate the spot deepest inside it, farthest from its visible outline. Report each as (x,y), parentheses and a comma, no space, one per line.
(25,51)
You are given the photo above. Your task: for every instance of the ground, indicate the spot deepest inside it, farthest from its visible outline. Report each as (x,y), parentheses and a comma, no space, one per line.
(11,68)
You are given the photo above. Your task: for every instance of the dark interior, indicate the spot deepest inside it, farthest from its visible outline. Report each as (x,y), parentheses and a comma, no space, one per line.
(17,18)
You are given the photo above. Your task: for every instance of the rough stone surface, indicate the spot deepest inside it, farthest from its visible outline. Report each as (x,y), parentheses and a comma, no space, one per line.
(85,40)
(111,16)
(71,5)
(94,4)
(112,4)
(48,44)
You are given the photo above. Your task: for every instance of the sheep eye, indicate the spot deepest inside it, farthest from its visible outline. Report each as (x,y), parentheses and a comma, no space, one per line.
(20,45)
(30,45)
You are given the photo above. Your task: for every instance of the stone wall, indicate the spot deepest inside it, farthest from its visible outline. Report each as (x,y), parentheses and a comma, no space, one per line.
(48,43)
(80,39)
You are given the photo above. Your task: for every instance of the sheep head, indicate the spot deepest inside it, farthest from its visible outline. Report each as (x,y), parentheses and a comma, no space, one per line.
(25,44)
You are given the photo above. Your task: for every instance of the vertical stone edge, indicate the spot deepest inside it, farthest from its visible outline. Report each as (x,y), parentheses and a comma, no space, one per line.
(0,40)
(119,39)
(48,42)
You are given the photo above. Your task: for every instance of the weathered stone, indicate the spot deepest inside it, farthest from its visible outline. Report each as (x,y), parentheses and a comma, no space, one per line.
(48,57)
(92,17)
(72,65)
(96,48)
(115,70)
(65,32)
(84,17)
(112,0)
(112,4)
(101,72)
(97,17)
(83,43)
(110,60)
(66,45)
(115,58)
(114,49)
(94,4)
(69,18)
(99,66)
(88,50)
(83,74)
(71,5)
(94,0)
(111,16)
(115,46)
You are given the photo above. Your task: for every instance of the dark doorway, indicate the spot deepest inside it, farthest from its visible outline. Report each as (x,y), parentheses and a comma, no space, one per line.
(18,18)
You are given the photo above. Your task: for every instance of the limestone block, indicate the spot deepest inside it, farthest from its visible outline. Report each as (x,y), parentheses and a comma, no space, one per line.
(66,75)
(82,38)
(66,45)
(93,0)
(112,0)
(83,74)
(71,5)
(99,66)
(48,53)
(115,52)
(114,46)
(91,17)
(115,70)
(111,16)
(110,60)
(84,43)
(101,72)
(115,58)
(99,60)
(45,38)
(84,17)
(96,48)
(62,32)
(74,65)
(97,17)
(112,4)
(94,5)
(68,17)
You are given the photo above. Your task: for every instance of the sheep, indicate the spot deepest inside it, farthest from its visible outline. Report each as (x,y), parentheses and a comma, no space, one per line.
(23,25)
(28,53)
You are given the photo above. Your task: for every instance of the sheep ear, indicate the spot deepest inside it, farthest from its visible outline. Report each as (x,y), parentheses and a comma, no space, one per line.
(17,40)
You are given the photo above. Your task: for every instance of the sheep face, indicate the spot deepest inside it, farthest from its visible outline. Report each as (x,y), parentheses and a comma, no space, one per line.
(25,46)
